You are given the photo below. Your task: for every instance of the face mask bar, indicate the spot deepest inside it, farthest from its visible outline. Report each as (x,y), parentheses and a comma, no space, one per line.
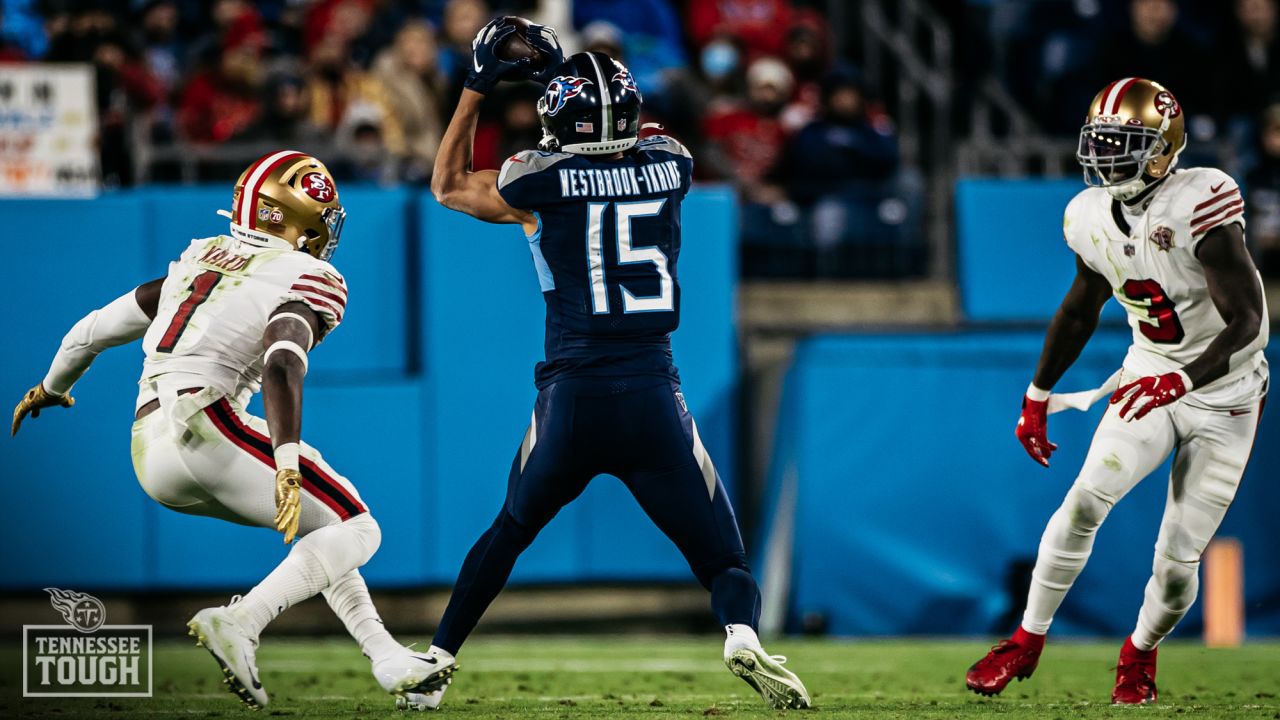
(1115,154)
(333,218)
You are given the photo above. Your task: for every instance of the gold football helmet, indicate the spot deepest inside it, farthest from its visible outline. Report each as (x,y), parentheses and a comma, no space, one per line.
(1132,136)
(292,196)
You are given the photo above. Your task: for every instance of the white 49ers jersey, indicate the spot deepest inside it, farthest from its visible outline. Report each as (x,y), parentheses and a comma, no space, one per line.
(1150,260)
(214,308)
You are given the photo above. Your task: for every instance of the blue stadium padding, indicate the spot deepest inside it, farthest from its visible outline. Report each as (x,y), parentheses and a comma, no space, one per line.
(77,515)
(1013,264)
(914,498)
(483,323)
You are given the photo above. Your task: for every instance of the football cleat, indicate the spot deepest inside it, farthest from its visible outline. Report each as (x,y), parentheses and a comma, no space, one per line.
(420,701)
(777,685)
(1016,657)
(415,673)
(1135,676)
(216,630)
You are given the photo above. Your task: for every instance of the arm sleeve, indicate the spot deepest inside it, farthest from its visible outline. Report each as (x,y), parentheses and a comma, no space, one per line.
(121,321)
(322,290)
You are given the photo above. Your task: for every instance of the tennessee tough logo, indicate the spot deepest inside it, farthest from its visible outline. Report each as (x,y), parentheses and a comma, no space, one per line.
(561,89)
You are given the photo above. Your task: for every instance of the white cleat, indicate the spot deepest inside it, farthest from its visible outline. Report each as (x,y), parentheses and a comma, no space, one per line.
(777,685)
(415,673)
(216,630)
(419,701)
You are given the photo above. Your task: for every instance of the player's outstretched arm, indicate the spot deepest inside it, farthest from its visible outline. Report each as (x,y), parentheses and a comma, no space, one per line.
(1072,326)
(459,188)
(290,334)
(1237,294)
(122,321)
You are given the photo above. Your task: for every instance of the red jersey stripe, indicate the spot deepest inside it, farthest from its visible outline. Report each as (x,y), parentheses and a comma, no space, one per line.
(1216,223)
(1216,199)
(322,292)
(1213,214)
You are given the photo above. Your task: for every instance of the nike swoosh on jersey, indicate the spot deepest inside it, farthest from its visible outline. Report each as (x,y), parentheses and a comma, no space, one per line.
(1216,188)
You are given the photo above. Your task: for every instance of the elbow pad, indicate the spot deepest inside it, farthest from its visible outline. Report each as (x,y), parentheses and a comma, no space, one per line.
(120,322)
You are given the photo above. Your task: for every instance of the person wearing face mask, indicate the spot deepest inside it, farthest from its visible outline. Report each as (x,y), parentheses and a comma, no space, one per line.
(745,139)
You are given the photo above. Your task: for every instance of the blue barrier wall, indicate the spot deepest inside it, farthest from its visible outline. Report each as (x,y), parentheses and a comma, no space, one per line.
(421,397)
(1012,263)
(912,497)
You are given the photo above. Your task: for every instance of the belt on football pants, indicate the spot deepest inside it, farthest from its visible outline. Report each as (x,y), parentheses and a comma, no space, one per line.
(154,405)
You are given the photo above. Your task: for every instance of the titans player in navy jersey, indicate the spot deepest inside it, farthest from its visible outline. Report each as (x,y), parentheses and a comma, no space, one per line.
(601,212)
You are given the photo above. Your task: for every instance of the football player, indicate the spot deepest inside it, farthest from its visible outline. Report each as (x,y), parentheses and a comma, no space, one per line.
(609,398)
(1169,246)
(236,313)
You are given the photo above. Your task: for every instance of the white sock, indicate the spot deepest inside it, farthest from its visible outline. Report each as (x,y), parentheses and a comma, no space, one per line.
(349,598)
(738,637)
(1064,550)
(316,560)
(299,576)
(1170,593)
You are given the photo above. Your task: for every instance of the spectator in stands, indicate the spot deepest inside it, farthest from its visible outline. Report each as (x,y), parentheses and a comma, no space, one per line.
(157,34)
(286,117)
(222,99)
(415,90)
(1248,57)
(755,22)
(126,95)
(846,146)
(336,85)
(362,156)
(653,42)
(744,139)
(1263,184)
(462,20)
(1154,46)
(808,56)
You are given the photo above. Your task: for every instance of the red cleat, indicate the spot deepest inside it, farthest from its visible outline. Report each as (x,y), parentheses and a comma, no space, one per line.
(1016,657)
(1135,676)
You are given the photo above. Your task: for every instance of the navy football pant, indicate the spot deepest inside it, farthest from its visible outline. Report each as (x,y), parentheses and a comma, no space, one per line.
(639,430)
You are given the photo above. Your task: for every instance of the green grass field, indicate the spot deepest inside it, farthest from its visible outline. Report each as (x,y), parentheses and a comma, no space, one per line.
(632,677)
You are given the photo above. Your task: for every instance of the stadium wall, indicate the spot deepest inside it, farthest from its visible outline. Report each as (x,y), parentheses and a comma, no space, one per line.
(420,398)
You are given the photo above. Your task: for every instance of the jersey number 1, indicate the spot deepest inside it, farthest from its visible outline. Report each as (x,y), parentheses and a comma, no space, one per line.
(200,289)
(624,213)
(1167,329)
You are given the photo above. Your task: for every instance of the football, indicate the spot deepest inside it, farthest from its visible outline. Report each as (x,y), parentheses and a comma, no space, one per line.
(516,46)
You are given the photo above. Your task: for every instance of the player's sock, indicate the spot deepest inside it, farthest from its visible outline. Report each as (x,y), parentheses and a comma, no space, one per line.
(349,598)
(735,598)
(1064,550)
(482,577)
(740,637)
(1169,595)
(316,559)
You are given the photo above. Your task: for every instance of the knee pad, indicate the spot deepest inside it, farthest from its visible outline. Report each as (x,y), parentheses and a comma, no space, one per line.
(1086,508)
(345,546)
(1178,582)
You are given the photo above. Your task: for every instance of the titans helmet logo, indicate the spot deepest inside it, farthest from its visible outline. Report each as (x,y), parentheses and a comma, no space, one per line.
(560,90)
(623,77)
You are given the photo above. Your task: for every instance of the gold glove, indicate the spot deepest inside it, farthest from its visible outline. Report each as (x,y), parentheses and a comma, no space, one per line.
(35,399)
(288,502)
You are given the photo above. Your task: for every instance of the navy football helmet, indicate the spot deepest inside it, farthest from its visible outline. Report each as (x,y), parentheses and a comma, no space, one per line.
(590,107)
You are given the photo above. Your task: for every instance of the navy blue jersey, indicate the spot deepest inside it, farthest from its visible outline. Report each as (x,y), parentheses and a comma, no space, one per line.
(606,249)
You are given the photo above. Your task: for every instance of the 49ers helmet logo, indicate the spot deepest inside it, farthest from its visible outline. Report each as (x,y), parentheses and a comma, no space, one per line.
(319,186)
(1166,102)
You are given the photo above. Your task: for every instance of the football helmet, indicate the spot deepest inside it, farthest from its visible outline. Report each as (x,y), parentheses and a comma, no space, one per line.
(1132,136)
(290,196)
(591,107)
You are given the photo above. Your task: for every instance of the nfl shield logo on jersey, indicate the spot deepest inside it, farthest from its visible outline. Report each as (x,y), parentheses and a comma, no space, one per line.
(1162,237)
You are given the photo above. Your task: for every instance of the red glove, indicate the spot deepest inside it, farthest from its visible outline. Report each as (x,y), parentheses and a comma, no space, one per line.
(1148,393)
(1032,430)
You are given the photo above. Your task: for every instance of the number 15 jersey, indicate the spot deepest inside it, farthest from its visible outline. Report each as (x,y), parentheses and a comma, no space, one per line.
(1151,261)
(605,251)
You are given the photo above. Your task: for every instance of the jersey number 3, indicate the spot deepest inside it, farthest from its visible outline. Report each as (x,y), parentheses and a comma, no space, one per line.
(628,254)
(1167,328)
(200,290)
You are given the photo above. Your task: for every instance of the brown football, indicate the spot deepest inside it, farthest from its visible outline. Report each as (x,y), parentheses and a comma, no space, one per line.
(516,46)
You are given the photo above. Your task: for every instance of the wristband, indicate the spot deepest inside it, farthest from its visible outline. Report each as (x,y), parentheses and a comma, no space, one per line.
(287,456)
(1036,394)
